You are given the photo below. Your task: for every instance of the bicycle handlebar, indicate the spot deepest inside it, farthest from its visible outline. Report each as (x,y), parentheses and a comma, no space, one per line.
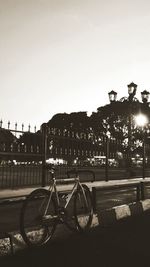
(49,167)
(63,181)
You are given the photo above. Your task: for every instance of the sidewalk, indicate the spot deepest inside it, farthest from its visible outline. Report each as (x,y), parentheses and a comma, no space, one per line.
(8,194)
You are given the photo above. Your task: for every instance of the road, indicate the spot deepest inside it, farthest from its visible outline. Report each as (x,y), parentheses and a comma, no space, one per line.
(10,213)
(126,243)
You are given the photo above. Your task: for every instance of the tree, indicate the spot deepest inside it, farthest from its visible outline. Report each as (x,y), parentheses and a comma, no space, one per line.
(115,118)
(6,137)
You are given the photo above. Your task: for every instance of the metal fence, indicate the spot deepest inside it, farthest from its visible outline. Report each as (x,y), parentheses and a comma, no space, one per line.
(23,155)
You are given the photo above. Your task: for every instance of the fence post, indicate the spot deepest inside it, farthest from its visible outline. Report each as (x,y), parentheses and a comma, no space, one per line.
(94,198)
(143,169)
(142,191)
(138,192)
(107,157)
(44,152)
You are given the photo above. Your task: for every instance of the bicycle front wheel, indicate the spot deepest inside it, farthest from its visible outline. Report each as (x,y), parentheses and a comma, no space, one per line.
(33,226)
(83,208)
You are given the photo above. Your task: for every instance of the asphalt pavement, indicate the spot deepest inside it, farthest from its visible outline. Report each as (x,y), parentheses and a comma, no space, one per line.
(125,243)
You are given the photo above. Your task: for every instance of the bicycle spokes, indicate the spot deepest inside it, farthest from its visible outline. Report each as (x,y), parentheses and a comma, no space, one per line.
(83,208)
(36,227)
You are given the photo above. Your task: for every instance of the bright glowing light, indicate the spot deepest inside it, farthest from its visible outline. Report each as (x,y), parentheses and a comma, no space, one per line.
(141,120)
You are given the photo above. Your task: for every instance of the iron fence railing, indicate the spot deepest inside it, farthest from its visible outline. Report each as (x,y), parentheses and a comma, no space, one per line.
(23,155)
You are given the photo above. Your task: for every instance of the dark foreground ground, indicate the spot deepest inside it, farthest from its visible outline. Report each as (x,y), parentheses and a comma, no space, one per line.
(126,243)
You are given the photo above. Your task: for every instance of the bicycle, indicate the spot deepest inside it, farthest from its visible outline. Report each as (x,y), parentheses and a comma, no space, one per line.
(42,211)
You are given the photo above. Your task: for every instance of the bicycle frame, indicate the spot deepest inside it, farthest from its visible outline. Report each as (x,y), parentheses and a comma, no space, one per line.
(53,189)
(50,210)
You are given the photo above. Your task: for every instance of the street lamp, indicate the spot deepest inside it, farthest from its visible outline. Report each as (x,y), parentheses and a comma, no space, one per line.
(112,96)
(132,88)
(145,96)
(141,120)
(131,91)
(107,155)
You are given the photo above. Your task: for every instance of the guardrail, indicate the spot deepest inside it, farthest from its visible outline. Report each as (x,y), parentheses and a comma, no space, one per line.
(139,186)
(144,185)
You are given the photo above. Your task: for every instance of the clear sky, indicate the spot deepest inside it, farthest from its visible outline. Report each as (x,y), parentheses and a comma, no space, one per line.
(66,55)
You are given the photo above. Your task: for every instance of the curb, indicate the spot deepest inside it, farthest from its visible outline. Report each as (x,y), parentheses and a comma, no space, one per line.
(100,219)
(12,200)
(116,213)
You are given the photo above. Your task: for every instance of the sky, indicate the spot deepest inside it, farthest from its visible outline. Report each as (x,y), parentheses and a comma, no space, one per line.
(61,56)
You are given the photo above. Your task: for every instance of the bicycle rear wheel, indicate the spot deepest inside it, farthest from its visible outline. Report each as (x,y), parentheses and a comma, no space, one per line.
(83,208)
(34,229)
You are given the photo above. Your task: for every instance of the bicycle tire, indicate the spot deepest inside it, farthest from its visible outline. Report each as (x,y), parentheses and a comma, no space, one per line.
(69,218)
(83,208)
(31,228)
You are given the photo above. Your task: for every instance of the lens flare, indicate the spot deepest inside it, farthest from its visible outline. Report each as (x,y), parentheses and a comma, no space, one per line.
(141,120)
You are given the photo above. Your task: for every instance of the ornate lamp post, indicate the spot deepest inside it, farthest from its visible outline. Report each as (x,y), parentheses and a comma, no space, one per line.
(132,87)
(107,155)
(141,120)
(132,90)
(145,96)
(112,96)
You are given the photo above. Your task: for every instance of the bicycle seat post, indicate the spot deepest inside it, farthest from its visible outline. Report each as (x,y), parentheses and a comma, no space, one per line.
(52,173)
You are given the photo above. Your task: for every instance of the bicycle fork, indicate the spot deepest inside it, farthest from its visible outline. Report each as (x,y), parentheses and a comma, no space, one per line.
(48,219)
